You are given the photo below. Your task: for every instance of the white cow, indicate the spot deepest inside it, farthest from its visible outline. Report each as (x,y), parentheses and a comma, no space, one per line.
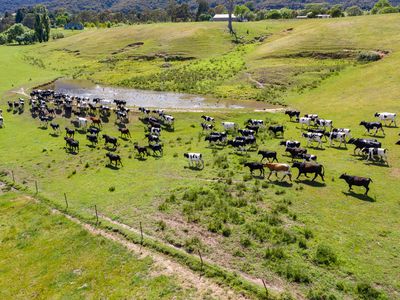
(305,121)
(168,119)
(313,137)
(385,116)
(379,153)
(336,136)
(229,126)
(155,131)
(82,122)
(195,159)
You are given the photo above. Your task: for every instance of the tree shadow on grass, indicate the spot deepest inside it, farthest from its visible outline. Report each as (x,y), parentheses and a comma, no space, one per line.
(311,183)
(362,197)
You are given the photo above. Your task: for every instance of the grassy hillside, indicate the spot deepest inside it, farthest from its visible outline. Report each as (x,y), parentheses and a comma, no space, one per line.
(259,228)
(44,255)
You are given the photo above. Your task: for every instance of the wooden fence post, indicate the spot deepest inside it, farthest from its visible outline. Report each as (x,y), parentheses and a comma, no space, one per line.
(97,216)
(36,186)
(202,263)
(66,200)
(266,289)
(141,236)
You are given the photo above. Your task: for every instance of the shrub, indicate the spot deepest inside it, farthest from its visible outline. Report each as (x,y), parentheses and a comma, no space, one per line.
(57,36)
(296,273)
(368,56)
(325,255)
(161,225)
(367,292)
(111,189)
(226,232)
(245,242)
(274,254)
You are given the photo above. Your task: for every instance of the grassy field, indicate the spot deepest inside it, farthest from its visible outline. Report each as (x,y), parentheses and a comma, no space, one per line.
(308,239)
(44,256)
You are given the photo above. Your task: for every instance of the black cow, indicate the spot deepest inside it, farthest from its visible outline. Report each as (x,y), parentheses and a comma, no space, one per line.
(255,128)
(93,139)
(268,155)
(276,129)
(208,118)
(141,150)
(156,148)
(215,139)
(55,127)
(292,113)
(306,167)
(246,132)
(357,181)
(364,143)
(110,140)
(72,144)
(207,126)
(152,138)
(94,130)
(114,158)
(296,152)
(125,132)
(255,166)
(69,132)
(372,125)
(239,144)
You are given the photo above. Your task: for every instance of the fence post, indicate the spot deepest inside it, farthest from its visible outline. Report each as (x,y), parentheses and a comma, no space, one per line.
(141,236)
(266,289)
(202,263)
(36,186)
(97,216)
(66,200)
(12,174)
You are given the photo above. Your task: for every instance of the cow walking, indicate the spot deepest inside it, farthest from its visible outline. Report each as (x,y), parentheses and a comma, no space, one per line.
(357,181)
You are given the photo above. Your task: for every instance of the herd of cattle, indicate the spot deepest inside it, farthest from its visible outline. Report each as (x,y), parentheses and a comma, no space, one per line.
(87,116)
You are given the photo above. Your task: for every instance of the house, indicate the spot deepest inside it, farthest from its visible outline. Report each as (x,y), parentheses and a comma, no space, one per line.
(323,16)
(74,26)
(302,17)
(223,17)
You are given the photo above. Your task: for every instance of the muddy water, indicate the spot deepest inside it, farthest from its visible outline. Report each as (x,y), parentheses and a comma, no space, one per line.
(153,99)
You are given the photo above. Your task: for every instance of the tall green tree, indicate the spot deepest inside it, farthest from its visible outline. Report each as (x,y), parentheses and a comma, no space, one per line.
(202,8)
(42,23)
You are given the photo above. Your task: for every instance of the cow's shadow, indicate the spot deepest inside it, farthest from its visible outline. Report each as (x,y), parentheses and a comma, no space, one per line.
(281,183)
(141,158)
(110,149)
(54,134)
(338,148)
(112,167)
(261,177)
(195,168)
(362,197)
(311,183)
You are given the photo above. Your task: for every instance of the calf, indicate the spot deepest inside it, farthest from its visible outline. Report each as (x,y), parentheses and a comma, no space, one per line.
(69,132)
(336,136)
(125,132)
(372,126)
(372,153)
(141,150)
(279,168)
(195,159)
(55,127)
(72,144)
(156,148)
(276,129)
(306,167)
(385,116)
(255,166)
(313,137)
(357,181)
(114,158)
(268,155)
(292,113)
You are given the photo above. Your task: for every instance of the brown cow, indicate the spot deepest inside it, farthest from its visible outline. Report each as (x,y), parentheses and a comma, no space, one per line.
(279,168)
(96,121)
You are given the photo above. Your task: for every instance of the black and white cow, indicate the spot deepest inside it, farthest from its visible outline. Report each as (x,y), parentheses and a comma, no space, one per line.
(372,126)
(229,126)
(292,113)
(336,136)
(305,121)
(313,137)
(386,116)
(347,131)
(254,122)
(195,159)
(364,143)
(290,144)
(376,153)
(208,119)
(206,126)
(322,123)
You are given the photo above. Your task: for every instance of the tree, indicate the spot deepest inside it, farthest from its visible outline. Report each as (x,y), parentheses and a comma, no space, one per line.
(261,15)
(220,9)
(20,15)
(183,12)
(18,33)
(314,9)
(274,14)
(29,20)
(202,8)
(287,13)
(230,5)
(172,10)
(240,11)
(250,5)
(354,11)
(381,5)
(42,23)
(336,11)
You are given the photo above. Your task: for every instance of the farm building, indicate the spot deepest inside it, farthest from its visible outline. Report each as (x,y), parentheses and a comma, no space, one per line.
(223,17)
(74,26)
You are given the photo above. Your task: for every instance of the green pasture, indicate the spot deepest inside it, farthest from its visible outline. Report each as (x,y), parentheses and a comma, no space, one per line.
(220,207)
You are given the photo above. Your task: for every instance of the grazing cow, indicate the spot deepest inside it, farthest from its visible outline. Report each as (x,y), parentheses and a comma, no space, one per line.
(207,126)
(306,167)
(313,137)
(114,158)
(279,168)
(322,123)
(246,132)
(357,181)
(156,148)
(96,121)
(336,136)
(292,113)
(208,118)
(92,138)
(69,132)
(55,127)
(141,150)
(152,138)
(45,120)
(94,130)
(195,159)
(385,116)
(253,122)
(255,166)
(229,126)
(169,120)
(276,129)
(125,132)
(347,132)
(110,140)
(72,144)
(268,155)
(296,152)
(82,122)
(305,121)
(290,144)
(158,112)
(144,111)
(308,157)
(364,143)
(371,126)
(372,153)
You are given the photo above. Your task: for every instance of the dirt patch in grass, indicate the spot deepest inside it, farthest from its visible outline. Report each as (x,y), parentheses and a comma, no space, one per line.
(128,47)
(166,57)
(395,173)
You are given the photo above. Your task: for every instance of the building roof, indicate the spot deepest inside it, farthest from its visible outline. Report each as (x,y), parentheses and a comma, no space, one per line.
(223,16)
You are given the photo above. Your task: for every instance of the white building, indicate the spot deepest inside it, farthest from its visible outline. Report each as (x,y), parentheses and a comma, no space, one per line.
(223,17)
